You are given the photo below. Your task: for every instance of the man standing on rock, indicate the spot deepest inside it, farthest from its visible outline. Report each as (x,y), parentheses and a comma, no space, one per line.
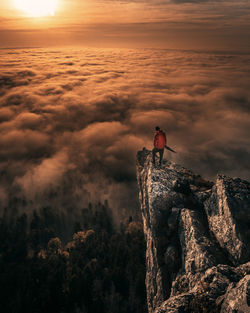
(160,142)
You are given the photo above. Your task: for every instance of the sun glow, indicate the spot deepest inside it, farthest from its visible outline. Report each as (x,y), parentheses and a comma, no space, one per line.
(37,8)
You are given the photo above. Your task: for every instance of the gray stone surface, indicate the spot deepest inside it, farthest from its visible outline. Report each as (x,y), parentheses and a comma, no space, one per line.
(177,304)
(237,299)
(198,250)
(228,211)
(197,235)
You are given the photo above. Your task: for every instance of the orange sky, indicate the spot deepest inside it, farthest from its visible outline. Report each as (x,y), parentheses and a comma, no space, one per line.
(184,24)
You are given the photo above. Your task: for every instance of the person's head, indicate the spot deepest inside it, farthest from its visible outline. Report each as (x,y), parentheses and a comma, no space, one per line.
(157,128)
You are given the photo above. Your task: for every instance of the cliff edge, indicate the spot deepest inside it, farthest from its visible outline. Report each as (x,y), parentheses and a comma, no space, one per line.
(198,239)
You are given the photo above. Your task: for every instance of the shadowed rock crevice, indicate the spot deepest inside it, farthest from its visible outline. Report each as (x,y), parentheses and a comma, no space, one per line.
(197,235)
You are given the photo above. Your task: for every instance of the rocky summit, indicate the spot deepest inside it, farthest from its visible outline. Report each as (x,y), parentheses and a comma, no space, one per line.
(198,239)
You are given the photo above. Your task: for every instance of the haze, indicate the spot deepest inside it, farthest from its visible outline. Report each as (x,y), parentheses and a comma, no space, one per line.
(72,120)
(95,78)
(175,24)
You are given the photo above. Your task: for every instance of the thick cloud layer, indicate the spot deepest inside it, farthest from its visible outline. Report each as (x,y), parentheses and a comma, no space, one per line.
(71,121)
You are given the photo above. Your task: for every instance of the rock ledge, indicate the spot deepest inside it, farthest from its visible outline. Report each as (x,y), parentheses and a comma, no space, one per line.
(198,239)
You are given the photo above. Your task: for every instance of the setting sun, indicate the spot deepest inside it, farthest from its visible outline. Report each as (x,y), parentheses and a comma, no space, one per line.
(37,8)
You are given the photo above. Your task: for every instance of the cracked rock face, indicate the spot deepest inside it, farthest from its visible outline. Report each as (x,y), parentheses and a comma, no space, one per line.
(197,236)
(237,299)
(229,217)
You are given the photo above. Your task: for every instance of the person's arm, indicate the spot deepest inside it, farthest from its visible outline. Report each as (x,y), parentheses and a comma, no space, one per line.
(165,139)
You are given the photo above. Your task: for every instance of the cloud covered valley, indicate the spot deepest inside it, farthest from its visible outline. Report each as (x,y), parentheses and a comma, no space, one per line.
(72,120)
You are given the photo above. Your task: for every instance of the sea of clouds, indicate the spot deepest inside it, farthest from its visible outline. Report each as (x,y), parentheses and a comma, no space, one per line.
(72,120)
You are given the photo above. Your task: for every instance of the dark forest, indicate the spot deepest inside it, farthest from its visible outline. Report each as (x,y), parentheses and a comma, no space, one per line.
(100,269)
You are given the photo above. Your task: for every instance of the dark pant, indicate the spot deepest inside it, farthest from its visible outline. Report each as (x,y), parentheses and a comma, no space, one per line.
(161,151)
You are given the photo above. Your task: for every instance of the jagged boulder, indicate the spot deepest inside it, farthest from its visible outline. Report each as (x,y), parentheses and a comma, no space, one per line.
(199,252)
(196,236)
(228,211)
(237,298)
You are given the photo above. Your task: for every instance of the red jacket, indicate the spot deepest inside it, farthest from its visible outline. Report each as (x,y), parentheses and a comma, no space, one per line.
(160,140)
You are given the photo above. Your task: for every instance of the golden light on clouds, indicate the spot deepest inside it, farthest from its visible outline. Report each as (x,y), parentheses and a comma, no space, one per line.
(36,8)
(173,24)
